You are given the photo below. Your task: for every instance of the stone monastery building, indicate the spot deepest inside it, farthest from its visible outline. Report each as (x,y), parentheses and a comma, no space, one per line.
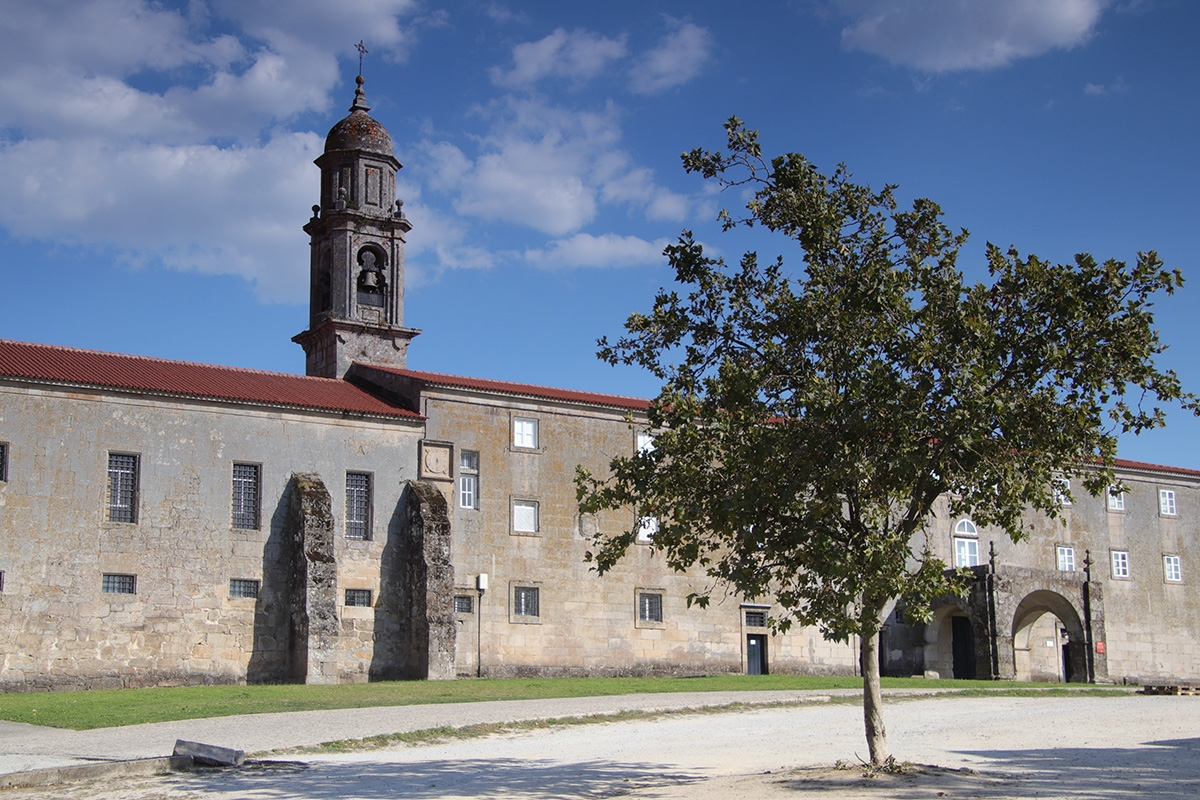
(165,522)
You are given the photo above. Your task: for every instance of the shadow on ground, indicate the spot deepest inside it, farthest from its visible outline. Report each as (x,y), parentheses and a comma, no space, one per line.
(1162,769)
(430,779)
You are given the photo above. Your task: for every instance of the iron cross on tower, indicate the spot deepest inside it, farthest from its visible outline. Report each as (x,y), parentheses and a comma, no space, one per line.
(362,51)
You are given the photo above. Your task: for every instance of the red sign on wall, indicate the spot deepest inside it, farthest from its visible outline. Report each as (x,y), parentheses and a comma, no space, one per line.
(1100,648)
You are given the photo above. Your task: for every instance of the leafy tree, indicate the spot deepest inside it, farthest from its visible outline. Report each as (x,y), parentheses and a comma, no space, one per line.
(809,419)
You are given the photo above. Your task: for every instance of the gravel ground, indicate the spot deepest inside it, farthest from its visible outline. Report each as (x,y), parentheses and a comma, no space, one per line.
(992,747)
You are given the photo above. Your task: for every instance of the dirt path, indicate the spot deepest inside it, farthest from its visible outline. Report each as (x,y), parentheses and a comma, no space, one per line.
(1060,747)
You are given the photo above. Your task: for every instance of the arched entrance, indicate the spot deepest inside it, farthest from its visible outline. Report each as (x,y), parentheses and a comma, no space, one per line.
(951,644)
(1048,639)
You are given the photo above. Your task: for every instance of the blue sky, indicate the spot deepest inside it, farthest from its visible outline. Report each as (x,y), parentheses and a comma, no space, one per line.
(155,158)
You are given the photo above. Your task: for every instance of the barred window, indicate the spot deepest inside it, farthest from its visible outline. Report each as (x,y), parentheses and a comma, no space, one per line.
(464,604)
(122,487)
(358,505)
(242,587)
(650,607)
(118,584)
(525,601)
(358,597)
(468,479)
(246,482)
(3,461)
(756,619)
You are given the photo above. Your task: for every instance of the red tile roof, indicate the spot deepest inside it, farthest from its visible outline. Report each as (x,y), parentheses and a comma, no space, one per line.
(1142,465)
(68,365)
(522,389)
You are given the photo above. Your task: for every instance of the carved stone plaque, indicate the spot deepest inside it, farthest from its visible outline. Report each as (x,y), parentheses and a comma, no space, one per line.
(435,461)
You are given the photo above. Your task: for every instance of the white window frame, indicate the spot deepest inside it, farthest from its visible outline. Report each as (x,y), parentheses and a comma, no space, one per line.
(1062,491)
(1172,569)
(525,433)
(966,552)
(1065,557)
(521,511)
(645,530)
(643,442)
(468,479)
(1116,500)
(1166,503)
(1120,564)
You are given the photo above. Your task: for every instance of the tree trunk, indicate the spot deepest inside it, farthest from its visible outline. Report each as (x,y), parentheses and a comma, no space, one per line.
(872,698)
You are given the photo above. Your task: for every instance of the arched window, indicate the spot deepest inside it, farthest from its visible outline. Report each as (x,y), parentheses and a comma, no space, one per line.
(966,544)
(966,528)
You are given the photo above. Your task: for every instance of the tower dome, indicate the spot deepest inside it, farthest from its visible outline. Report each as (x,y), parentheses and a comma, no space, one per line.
(359,131)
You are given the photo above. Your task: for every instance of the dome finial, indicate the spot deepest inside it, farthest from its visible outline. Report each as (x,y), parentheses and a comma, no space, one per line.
(360,97)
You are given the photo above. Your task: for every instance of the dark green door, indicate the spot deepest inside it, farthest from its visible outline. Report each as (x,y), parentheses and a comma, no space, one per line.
(756,654)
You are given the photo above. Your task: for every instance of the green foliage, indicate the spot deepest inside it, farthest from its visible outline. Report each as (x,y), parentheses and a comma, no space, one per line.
(810,417)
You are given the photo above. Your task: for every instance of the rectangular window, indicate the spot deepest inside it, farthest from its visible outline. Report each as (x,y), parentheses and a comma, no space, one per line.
(358,597)
(1062,491)
(3,461)
(241,587)
(122,487)
(246,492)
(1120,564)
(464,604)
(645,442)
(650,607)
(1,580)
(468,479)
(525,432)
(118,584)
(1066,558)
(756,619)
(525,601)
(525,516)
(966,552)
(1116,500)
(1166,502)
(647,527)
(1172,571)
(358,505)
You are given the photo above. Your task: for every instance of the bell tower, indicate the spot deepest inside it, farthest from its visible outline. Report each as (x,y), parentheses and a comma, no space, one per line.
(356,236)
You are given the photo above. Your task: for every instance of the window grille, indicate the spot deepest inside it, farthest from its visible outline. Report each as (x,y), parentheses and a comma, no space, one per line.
(358,505)
(1166,502)
(756,619)
(122,487)
(358,597)
(525,433)
(525,601)
(468,479)
(1120,564)
(1066,559)
(118,584)
(3,461)
(241,587)
(525,516)
(650,607)
(1171,569)
(245,496)
(464,604)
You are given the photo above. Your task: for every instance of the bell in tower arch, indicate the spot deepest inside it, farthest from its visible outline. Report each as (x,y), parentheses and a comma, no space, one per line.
(372,285)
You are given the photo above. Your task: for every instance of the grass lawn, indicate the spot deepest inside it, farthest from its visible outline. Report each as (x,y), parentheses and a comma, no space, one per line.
(85,710)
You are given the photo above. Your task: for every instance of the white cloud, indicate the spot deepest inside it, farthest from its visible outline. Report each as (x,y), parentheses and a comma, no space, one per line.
(158,134)
(948,35)
(577,55)
(607,250)
(549,169)
(677,59)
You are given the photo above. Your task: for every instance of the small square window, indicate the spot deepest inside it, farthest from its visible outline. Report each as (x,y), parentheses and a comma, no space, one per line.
(1166,502)
(1172,571)
(1116,500)
(525,601)
(1120,564)
(358,597)
(650,607)
(1066,558)
(122,487)
(246,492)
(118,584)
(966,552)
(3,461)
(756,618)
(525,433)
(468,479)
(525,516)
(464,604)
(358,505)
(243,587)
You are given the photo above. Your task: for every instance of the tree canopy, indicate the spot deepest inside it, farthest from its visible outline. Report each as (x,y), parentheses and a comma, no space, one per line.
(810,415)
